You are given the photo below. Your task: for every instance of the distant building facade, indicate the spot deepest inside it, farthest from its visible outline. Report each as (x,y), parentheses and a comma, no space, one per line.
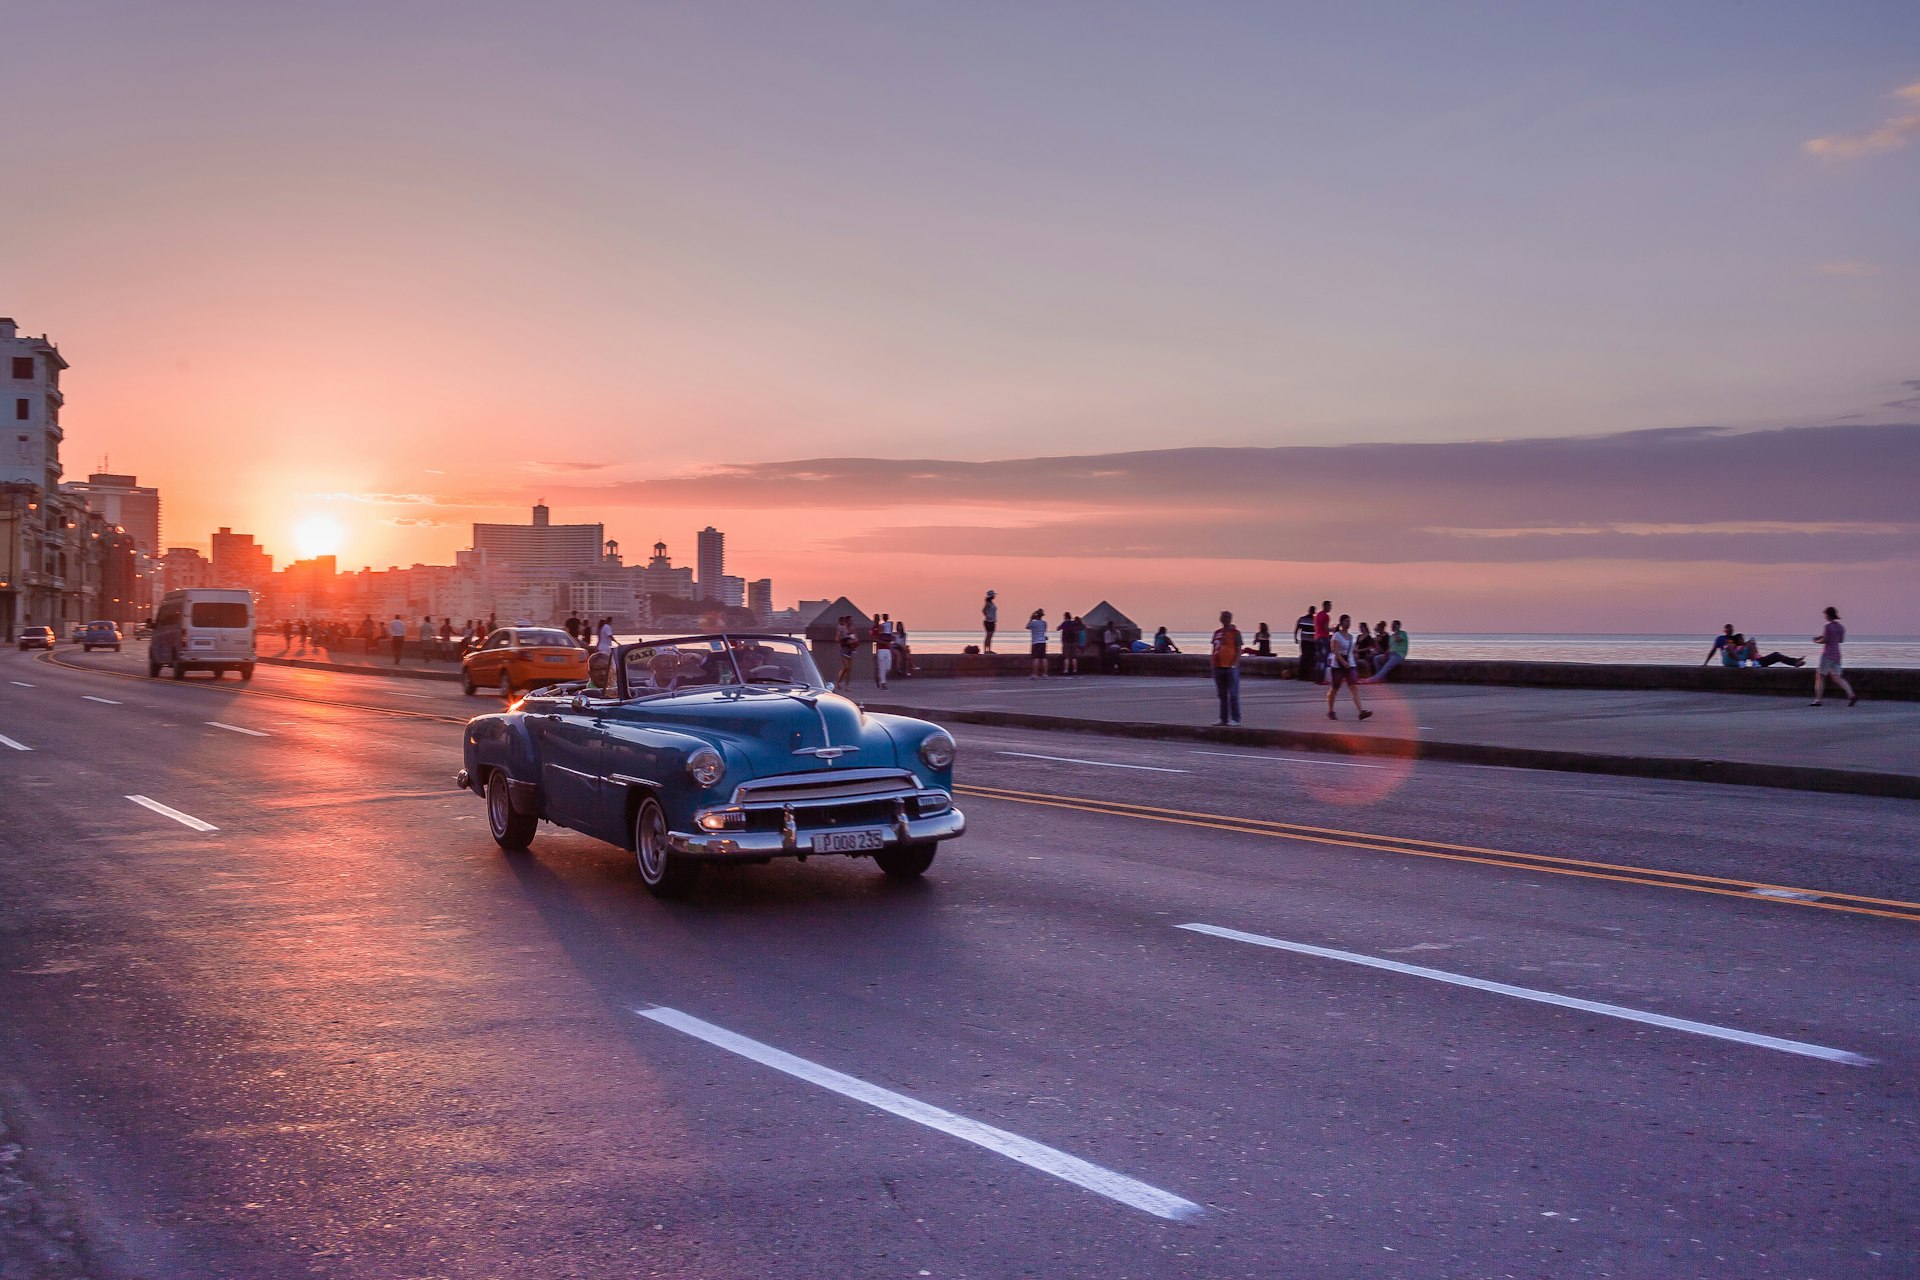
(239,561)
(712,562)
(124,501)
(541,547)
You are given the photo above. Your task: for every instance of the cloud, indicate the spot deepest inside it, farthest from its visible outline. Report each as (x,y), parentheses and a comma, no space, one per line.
(564,468)
(1830,494)
(382,499)
(1908,401)
(1847,267)
(1893,133)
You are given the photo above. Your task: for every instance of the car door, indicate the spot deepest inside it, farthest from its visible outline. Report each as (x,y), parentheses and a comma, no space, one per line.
(484,670)
(573,770)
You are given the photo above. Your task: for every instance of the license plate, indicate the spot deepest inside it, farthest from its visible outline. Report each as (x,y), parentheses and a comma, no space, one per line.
(556,657)
(861,841)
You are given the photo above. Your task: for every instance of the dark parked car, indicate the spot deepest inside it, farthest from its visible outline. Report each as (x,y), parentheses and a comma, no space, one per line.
(100,635)
(714,748)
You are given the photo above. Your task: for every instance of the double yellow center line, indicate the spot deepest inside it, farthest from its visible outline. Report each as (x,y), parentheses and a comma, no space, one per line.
(1753,890)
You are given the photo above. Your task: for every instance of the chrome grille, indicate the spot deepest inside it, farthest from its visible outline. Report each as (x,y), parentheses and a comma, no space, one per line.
(854,784)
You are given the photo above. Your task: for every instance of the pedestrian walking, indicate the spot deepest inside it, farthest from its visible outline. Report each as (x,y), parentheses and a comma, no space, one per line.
(1340,669)
(1226,669)
(882,637)
(1303,636)
(603,638)
(1037,631)
(286,636)
(397,637)
(1831,637)
(989,618)
(849,643)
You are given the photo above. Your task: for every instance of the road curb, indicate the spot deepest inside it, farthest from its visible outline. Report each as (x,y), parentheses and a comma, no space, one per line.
(1677,769)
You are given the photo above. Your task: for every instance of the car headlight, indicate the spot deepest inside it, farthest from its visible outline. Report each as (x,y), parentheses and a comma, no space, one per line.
(937,750)
(706,767)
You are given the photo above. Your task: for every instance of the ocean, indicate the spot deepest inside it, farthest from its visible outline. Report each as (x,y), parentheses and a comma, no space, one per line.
(1861,651)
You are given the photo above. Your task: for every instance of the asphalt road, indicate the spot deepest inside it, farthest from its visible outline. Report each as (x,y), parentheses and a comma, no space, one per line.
(340,1033)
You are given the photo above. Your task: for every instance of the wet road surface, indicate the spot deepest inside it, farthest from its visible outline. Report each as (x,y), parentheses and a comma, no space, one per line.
(275,1005)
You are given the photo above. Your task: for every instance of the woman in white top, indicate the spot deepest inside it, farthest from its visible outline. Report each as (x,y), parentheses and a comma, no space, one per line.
(1037,628)
(605,641)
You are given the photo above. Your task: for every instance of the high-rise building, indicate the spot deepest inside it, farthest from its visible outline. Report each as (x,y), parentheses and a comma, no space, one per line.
(712,562)
(542,548)
(238,561)
(124,501)
(32,402)
(183,567)
(733,591)
(760,599)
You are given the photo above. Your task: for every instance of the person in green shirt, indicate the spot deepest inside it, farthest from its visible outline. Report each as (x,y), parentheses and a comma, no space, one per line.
(1398,653)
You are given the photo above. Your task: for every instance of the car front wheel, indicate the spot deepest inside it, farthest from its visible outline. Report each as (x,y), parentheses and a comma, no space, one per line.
(467,685)
(665,875)
(506,684)
(512,831)
(906,861)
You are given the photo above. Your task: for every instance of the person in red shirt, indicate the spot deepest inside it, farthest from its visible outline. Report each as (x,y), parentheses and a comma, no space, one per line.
(1226,668)
(1322,635)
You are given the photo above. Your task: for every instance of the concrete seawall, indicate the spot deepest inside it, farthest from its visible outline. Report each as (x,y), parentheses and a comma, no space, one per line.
(1885,683)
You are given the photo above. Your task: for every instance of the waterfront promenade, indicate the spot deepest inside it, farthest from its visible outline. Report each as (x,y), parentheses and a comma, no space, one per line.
(1871,748)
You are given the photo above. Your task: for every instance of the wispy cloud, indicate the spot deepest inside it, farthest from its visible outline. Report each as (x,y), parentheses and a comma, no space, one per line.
(1850,268)
(1908,401)
(1893,133)
(564,468)
(383,499)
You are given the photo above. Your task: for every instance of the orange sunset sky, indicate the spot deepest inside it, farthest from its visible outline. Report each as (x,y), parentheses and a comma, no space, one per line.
(1606,323)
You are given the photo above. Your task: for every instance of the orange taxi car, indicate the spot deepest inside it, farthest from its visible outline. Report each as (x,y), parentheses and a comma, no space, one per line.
(515,658)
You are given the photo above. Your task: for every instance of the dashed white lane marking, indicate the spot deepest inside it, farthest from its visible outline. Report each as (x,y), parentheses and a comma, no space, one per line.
(5,741)
(1104,764)
(1082,1173)
(234,728)
(1331,764)
(23,684)
(90,698)
(184,819)
(1800,1047)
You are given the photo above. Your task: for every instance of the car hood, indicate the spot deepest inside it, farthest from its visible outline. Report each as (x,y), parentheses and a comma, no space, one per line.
(770,725)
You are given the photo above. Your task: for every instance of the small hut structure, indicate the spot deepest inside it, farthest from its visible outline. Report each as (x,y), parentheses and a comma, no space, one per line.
(826,623)
(1097,618)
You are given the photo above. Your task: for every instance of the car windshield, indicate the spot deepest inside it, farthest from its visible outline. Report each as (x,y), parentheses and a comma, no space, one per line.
(539,639)
(714,662)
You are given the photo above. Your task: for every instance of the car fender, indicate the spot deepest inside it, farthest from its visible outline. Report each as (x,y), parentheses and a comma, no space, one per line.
(499,741)
(906,734)
(654,761)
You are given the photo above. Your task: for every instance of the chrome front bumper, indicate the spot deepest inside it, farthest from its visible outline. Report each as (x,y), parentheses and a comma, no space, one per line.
(790,842)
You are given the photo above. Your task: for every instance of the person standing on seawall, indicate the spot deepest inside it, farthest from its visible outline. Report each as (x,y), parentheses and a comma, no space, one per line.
(1303,636)
(1831,637)
(989,618)
(1226,668)
(849,644)
(882,650)
(1037,629)
(1322,639)
(397,637)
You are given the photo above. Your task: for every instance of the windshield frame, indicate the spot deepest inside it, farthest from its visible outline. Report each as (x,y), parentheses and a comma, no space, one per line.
(731,643)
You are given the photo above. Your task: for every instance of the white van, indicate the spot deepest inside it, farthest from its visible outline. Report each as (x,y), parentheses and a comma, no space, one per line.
(206,627)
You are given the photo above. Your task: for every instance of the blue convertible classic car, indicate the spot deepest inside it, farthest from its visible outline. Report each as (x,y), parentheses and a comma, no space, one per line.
(714,748)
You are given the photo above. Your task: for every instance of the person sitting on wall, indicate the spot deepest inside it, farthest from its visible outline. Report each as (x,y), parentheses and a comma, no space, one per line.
(1163,643)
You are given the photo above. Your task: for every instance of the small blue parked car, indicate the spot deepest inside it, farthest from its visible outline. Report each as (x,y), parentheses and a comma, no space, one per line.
(714,748)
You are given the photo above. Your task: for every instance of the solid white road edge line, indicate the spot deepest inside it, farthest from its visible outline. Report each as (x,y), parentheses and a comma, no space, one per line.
(22,683)
(234,728)
(1800,1047)
(184,819)
(1115,1186)
(1104,764)
(5,741)
(1332,764)
(90,698)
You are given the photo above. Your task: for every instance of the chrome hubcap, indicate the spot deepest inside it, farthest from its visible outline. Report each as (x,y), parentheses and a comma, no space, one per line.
(652,842)
(497,805)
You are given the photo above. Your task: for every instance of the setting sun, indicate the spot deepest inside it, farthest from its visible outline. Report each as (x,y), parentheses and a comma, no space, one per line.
(317,536)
